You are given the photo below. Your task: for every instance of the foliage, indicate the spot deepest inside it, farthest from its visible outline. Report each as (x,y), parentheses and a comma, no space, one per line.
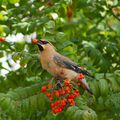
(86,31)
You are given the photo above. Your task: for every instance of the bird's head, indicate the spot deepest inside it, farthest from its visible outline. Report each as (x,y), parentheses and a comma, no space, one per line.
(44,45)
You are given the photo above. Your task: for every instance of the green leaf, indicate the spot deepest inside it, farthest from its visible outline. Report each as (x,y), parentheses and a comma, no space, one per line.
(1,17)
(14,1)
(70,112)
(1,54)
(104,87)
(78,115)
(50,24)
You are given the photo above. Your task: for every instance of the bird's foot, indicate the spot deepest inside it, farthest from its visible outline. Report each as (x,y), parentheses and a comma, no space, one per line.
(59,81)
(59,85)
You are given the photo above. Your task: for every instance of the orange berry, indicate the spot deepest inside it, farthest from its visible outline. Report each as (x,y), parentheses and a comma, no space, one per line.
(48,95)
(70,100)
(57,93)
(35,41)
(72,103)
(81,76)
(66,82)
(79,83)
(76,93)
(67,90)
(2,39)
(49,86)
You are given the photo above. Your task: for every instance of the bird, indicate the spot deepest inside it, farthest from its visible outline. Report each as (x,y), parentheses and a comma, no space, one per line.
(60,66)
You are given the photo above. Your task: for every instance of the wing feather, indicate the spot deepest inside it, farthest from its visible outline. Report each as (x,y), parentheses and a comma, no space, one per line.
(69,64)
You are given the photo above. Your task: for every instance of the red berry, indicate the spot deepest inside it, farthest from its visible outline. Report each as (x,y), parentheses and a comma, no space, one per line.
(59,109)
(63,103)
(76,94)
(66,82)
(77,91)
(54,91)
(58,102)
(44,88)
(67,90)
(65,99)
(2,39)
(52,104)
(51,98)
(71,102)
(70,85)
(81,76)
(35,41)
(71,96)
(48,95)
(54,110)
(63,92)
(57,93)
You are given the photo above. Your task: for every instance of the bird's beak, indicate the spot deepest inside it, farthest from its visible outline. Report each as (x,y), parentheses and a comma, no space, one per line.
(40,45)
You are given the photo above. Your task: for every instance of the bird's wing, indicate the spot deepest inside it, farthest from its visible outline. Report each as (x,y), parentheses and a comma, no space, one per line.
(69,64)
(64,62)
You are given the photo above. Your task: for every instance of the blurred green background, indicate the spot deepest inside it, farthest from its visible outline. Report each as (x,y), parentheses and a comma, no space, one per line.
(87,31)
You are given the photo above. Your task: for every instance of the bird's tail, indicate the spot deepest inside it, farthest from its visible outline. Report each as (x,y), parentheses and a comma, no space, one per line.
(85,86)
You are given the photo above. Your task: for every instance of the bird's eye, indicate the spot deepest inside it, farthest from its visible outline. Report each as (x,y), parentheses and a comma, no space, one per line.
(44,42)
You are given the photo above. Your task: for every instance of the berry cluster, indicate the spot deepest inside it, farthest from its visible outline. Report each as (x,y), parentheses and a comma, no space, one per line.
(62,97)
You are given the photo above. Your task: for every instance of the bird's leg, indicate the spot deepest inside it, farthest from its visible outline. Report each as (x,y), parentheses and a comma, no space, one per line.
(58,80)
(59,85)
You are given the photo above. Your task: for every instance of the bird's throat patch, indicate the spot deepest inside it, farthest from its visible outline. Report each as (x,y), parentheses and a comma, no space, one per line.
(40,48)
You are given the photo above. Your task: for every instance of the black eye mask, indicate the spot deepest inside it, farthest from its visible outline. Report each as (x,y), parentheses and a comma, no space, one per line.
(44,42)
